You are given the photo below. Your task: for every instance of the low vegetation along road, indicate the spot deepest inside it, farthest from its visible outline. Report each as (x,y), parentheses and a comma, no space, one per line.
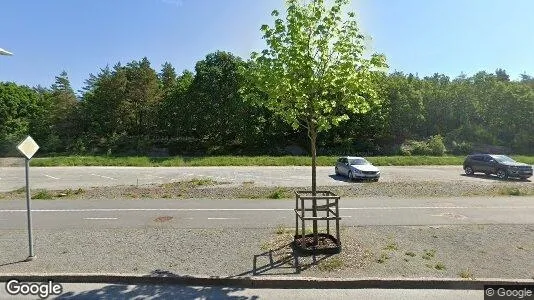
(12,178)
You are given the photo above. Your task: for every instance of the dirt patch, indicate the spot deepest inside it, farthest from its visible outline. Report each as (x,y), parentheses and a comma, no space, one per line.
(163,219)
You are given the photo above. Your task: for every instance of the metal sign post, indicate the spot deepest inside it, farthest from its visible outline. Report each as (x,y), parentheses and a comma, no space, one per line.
(28,147)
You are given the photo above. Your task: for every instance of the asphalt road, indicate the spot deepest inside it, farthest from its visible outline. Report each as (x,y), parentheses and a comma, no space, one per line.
(242,213)
(115,291)
(12,178)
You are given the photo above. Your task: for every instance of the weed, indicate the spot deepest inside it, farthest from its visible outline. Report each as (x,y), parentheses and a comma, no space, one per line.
(392,246)
(383,258)
(511,191)
(440,266)
(429,254)
(331,264)
(201,181)
(279,193)
(248,183)
(43,195)
(70,192)
(410,253)
(280,229)
(19,190)
(466,274)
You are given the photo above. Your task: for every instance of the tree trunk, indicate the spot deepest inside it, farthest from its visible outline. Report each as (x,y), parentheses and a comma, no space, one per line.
(313,142)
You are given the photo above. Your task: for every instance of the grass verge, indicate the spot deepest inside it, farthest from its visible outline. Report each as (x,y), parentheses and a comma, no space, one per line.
(183,161)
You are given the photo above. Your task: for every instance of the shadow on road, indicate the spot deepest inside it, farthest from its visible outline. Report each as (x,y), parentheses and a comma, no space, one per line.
(157,291)
(493,177)
(13,263)
(283,260)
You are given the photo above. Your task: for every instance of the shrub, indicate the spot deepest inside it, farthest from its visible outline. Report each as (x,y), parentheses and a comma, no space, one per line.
(433,146)
(462,148)
(436,145)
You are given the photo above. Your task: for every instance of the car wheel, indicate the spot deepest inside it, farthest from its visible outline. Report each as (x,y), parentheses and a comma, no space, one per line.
(375,180)
(502,174)
(469,170)
(337,171)
(350,176)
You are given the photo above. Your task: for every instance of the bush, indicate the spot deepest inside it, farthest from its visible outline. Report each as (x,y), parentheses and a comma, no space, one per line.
(436,145)
(433,146)
(462,148)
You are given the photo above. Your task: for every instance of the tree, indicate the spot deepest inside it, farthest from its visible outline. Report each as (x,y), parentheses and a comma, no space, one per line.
(314,71)
(63,113)
(18,107)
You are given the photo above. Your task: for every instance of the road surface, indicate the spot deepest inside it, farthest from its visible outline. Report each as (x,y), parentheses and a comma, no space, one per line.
(242,213)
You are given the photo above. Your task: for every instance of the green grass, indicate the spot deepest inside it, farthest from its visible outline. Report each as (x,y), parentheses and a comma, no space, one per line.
(279,193)
(183,161)
(330,264)
(512,191)
(43,195)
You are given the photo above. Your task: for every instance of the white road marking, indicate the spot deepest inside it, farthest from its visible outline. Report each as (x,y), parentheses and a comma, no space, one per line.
(100,218)
(50,176)
(111,178)
(223,218)
(156,176)
(259,209)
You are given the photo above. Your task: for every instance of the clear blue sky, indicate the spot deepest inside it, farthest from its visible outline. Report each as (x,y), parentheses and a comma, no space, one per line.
(417,36)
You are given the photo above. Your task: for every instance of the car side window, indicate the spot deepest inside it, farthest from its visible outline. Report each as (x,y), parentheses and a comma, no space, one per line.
(478,158)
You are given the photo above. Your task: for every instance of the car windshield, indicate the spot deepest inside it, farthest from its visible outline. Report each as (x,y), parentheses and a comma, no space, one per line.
(503,159)
(358,161)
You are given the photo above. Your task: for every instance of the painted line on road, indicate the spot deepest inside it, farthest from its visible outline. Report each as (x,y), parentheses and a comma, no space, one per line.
(107,177)
(100,218)
(50,176)
(259,209)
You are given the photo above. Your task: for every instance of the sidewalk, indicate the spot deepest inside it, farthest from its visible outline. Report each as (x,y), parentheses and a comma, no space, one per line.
(456,252)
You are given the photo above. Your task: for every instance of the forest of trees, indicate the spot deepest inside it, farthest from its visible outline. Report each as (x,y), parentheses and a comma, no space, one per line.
(132,109)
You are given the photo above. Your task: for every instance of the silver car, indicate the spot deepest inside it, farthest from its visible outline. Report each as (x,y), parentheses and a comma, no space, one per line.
(356,168)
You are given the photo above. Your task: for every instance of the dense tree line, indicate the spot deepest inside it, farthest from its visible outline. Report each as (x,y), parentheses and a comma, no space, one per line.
(132,109)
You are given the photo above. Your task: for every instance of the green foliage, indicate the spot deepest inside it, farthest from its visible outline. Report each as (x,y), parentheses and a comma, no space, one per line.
(314,71)
(433,146)
(19,105)
(436,145)
(179,161)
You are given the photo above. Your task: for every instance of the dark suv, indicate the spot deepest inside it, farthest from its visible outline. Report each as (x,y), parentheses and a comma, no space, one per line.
(501,165)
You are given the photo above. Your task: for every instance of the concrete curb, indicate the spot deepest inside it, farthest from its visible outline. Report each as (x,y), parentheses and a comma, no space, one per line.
(270,282)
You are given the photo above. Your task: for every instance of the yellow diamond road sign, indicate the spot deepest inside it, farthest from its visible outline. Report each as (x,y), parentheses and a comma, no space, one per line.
(28,147)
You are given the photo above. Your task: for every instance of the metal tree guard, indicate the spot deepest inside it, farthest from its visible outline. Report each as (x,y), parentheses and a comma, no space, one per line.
(328,212)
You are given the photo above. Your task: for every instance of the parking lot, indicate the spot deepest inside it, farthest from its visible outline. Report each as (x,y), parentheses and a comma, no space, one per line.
(12,178)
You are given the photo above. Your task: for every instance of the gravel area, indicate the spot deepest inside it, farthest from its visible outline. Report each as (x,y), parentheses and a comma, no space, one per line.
(220,190)
(475,251)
